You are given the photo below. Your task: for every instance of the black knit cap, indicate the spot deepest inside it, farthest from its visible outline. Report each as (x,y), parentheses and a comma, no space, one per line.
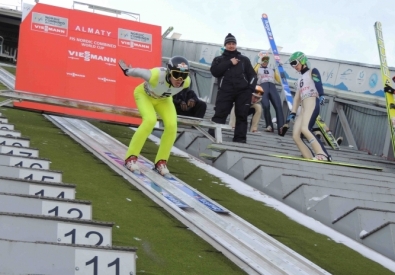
(229,38)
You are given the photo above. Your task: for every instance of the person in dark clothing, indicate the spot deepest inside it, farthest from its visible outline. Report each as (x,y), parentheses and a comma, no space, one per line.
(237,81)
(188,104)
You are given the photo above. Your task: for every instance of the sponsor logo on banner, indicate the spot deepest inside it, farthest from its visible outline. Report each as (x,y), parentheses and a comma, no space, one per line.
(105,79)
(346,75)
(327,75)
(75,75)
(91,30)
(92,43)
(88,56)
(373,80)
(135,40)
(268,29)
(361,78)
(49,24)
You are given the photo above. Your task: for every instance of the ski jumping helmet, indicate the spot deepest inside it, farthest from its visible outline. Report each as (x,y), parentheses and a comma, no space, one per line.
(258,91)
(298,56)
(265,58)
(178,67)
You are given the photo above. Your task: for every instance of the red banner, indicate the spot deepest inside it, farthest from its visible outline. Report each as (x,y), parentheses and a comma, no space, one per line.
(74,54)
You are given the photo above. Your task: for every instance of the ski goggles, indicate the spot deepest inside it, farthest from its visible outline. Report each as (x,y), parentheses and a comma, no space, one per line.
(294,63)
(177,75)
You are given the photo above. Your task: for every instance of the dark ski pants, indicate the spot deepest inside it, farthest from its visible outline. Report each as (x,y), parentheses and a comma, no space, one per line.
(199,110)
(271,94)
(223,106)
(313,118)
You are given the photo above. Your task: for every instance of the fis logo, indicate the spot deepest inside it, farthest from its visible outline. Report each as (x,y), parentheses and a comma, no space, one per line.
(123,33)
(38,18)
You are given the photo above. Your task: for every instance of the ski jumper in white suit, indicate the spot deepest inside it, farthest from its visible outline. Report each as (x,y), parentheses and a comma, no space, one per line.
(267,77)
(307,95)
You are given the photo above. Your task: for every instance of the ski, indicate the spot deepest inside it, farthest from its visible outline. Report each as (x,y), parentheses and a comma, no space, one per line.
(186,189)
(330,139)
(149,183)
(284,82)
(385,74)
(222,148)
(329,162)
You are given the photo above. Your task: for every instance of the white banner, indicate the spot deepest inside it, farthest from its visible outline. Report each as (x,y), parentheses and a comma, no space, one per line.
(335,75)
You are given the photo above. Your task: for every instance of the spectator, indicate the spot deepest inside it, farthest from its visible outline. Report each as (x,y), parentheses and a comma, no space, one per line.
(267,77)
(237,81)
(188,104)
(388,88)
(255,110)
(154,96)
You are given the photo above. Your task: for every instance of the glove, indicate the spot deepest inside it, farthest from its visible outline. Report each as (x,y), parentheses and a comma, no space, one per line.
(291,116)
(184,106)
(322,100)
(124,67)
(389,89)
(191,103)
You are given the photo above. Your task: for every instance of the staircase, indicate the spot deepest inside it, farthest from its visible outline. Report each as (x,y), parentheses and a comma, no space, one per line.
(43,228)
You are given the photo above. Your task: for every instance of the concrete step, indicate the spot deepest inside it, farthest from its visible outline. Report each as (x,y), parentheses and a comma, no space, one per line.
(331,208)
(39,228)
(382,240)
(286,183)
(248,150)
(24,161)
(361,222)
(3,119)
(7,126)
(64,259)
(38,188)
(34,205)
(306,196)
(10,133)
(19,151)
(253,169)
(15,141)
(30,173)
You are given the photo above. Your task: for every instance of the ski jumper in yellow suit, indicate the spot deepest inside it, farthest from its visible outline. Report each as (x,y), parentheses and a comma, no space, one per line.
(153,96)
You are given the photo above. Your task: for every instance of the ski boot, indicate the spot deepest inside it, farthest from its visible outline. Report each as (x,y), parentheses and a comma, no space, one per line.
(131,164)
(161,168)
(269,129)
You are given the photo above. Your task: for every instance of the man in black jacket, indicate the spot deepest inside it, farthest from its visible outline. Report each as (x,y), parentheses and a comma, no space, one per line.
(237,81)
(188,104)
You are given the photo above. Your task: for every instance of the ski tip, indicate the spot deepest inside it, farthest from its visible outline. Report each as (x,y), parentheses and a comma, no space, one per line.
(264,15)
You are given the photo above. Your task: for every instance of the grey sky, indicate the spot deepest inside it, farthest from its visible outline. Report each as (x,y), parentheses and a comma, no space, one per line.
(334,29)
